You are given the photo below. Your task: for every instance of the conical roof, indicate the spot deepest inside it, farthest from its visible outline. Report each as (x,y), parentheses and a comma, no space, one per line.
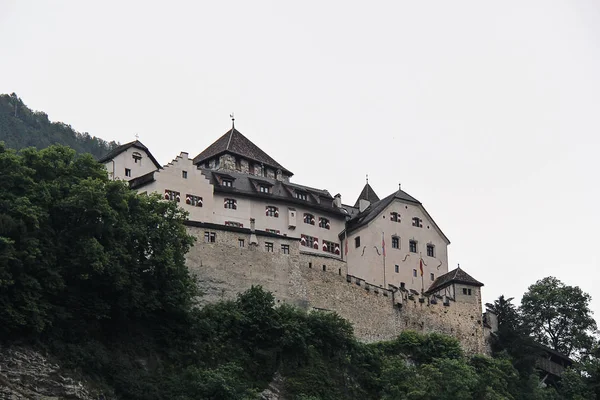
(234,142)
(367,194)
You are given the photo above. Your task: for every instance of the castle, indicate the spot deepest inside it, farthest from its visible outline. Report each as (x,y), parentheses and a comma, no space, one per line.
(380,263)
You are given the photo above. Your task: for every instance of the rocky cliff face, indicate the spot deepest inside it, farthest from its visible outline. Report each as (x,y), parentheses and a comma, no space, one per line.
(26,374)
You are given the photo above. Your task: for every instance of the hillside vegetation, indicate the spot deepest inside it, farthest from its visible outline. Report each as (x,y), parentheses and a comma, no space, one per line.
(94,275)
(21,127)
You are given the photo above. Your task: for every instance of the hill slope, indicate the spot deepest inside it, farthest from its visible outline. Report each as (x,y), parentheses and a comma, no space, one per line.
(21,127)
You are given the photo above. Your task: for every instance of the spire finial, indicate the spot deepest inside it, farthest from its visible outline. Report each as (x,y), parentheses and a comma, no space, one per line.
(399,186)
(367,179)
(232,121)
(137,137)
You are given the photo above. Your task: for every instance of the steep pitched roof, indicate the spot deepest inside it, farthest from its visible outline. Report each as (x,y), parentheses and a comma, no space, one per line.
(235,143)
(367,194)
(120,149)
(455,276)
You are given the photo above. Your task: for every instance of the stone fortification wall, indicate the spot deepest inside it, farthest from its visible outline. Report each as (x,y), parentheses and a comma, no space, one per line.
(318,282)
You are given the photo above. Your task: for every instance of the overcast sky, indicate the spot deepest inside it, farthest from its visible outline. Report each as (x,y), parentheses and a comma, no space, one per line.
(487,112)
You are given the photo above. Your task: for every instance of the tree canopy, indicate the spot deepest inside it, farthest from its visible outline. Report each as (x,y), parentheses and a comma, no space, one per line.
(558,316)
(21,127)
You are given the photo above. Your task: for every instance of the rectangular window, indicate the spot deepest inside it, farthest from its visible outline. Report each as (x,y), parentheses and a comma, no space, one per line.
(432,277)
(466,291)
(285,248)
(417,222)
(301,196)
(357,242)
(272,211)
(309,241)
(227,183)
(395,242)
(275,231)
(127,172)
(230,203)
(394,217)
(184,174)
(414,272)
(210,237)
(241,243)
(192,200)
(331,247)
(172,195)
(234,224)
(269,247)
(413,246)
(431,250)
(324,223)
(309,219)
(396,268)
(265,189)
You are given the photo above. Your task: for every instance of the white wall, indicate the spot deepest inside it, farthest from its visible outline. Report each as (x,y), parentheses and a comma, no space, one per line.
(116,167)
(368,265)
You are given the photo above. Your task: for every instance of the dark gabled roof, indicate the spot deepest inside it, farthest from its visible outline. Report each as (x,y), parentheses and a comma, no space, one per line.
(235,143)
(142,180)
(246,185)
(367,194)
(371,212)
(119,149)
(455,276)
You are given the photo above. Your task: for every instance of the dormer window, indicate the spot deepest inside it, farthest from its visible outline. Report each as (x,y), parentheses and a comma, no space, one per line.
(227,183)
(309,219)
(416,221)
(301,196)
(324,223)
(137,157)
(264,189)
(394,217)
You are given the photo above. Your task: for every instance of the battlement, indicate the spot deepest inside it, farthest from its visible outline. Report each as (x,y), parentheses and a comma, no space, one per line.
(317,282)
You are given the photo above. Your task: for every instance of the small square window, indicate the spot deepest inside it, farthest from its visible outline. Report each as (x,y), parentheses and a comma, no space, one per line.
(241,243)
(127,172)
(395,242)
(414,272)
(269,247)
(265,189)
(184,174)
(357,241)
(432,277)
(210,237)
(301,196)
(467,291)
(227,183)
(396,268)
(285,248)
(413,246)
(417,222)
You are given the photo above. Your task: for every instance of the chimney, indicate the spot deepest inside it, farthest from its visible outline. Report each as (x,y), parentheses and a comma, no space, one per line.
(253,239)
(337,200)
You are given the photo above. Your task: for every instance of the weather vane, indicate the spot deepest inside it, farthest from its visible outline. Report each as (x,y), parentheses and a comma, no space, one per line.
(137,136)
(232,120)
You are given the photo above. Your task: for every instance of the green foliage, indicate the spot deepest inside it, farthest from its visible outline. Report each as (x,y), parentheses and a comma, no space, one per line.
(21,127)
(95,274)
(558,316)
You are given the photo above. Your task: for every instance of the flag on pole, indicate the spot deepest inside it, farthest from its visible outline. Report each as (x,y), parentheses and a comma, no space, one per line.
(383,243)
(421,266)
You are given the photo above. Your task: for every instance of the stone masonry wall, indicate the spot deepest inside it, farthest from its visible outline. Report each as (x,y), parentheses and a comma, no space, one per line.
(319,282)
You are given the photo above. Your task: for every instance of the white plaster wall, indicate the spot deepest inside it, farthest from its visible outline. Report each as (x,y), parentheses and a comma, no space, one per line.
(171,178)
(368,265)
(125,160)
(255,208)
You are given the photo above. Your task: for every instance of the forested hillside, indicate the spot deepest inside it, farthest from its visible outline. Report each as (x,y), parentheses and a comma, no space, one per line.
(93,275)
(21,127)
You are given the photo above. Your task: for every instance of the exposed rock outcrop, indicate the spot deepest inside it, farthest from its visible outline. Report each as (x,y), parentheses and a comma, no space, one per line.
(26,374)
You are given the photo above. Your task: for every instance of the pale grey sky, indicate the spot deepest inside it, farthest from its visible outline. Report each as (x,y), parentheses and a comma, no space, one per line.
(487,112)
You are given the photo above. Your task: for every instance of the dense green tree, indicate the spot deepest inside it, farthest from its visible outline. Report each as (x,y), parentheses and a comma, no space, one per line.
(558,316)
(21,127)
